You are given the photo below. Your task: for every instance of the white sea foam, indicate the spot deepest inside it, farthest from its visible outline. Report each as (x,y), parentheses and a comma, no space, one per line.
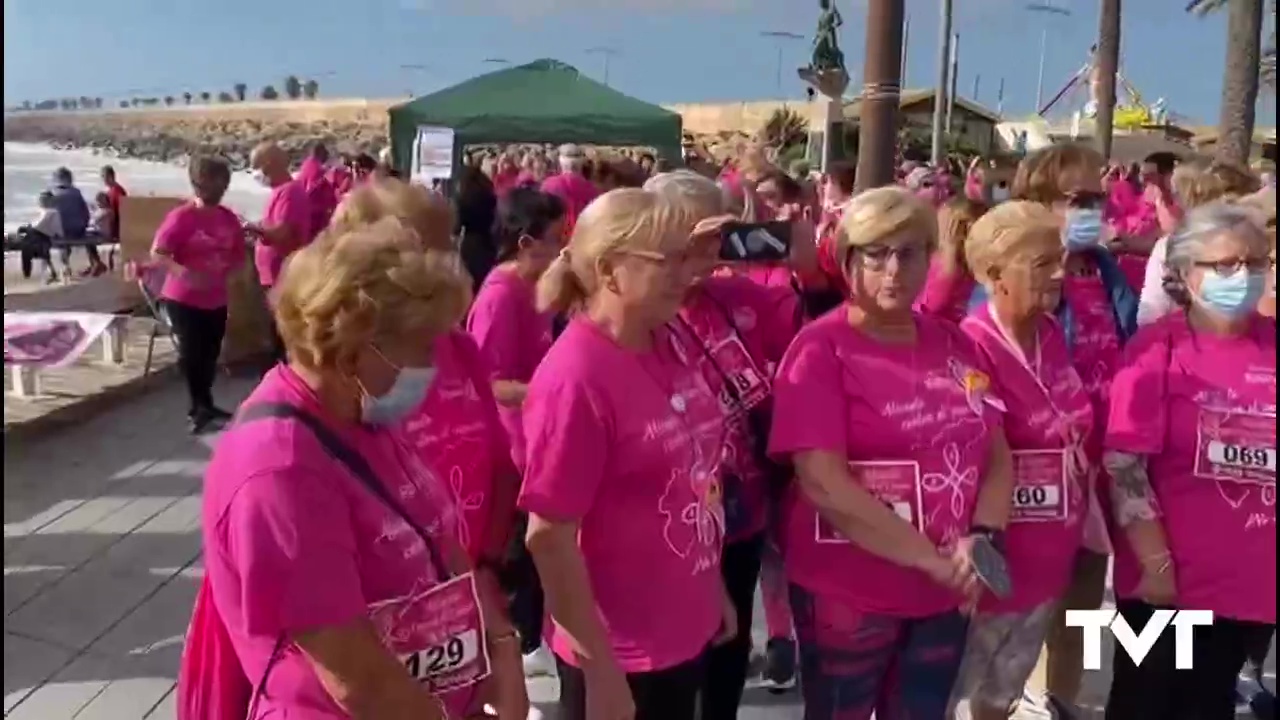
(28,167)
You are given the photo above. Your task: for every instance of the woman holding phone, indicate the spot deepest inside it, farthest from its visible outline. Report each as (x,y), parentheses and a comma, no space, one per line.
(1016,252)
(903,478)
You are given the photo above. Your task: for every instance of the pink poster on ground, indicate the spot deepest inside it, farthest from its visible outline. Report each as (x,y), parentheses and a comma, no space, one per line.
(52,339)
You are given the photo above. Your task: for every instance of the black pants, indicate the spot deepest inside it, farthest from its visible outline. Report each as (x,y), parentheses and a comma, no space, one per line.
(524,589)
(90,249)
(35,246)
(278,355)
(199,333)
(670,694)
(1159,691)
(727,664)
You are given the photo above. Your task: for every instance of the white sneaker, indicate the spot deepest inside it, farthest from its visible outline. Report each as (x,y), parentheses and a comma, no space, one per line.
(534,713)
(539,662)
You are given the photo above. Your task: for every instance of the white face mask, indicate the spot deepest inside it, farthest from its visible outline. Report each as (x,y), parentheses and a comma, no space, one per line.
(261,178)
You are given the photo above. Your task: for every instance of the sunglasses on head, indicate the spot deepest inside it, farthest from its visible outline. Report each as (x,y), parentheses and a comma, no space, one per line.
(1085,199)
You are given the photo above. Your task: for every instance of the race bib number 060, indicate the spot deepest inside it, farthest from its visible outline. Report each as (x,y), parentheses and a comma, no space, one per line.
(445,657)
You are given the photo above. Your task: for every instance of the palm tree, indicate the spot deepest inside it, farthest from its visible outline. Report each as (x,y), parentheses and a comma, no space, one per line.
(241,91)
(293,87)
(186,97)
(204,96)
(310,89)
(1240,79)
(168,100)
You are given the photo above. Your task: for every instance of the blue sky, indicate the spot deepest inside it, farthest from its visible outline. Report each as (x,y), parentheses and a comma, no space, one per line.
(667,50)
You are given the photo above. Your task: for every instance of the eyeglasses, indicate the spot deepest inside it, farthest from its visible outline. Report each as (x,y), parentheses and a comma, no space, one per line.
(876,257)
(1233,265)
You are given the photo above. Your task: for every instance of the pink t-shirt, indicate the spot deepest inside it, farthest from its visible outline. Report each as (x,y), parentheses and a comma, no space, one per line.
(208,242)
(1202,409)
(457,435)
(918,421)
(627,444)
(946,295)
(575,190)
(321,193)
(513,337)
(288,205)
(1048,423)
(743,337)
(293,542)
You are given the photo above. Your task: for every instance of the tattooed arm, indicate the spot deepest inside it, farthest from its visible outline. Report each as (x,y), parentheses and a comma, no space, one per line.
(1135,507)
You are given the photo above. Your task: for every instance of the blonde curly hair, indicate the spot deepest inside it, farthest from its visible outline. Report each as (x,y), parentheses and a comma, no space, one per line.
(1009,234)
(364,287)
(428,213)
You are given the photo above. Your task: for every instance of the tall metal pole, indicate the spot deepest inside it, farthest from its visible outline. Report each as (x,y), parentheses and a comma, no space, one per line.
(608,54)
(881,94)
(1050,9)
(1000,99)
(977,84)
(942,89)
(906,47)
(955,75)
(779,36)
(1044,49)
(1108,60)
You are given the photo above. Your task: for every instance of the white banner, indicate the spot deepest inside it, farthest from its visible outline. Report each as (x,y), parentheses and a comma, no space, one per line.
(432,154)
(51,339)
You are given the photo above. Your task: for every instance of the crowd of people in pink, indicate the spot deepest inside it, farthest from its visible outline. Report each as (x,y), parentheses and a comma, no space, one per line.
(543,426)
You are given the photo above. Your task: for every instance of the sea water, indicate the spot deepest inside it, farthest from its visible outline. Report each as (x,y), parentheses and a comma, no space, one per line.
(29,168)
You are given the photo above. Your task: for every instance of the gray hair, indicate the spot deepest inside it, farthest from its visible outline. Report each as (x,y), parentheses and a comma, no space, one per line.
(688,188)
(1201,225)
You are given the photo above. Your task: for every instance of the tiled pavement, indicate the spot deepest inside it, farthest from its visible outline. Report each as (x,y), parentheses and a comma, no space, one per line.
(101,557)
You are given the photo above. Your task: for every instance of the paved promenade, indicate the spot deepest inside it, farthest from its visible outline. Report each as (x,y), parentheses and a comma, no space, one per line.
(102,559)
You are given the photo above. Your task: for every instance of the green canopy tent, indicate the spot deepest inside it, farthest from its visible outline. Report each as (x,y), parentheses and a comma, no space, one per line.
(545,101)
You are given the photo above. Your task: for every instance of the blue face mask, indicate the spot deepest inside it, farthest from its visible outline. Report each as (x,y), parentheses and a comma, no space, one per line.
(1083,229)
(1232,296)
(405,395)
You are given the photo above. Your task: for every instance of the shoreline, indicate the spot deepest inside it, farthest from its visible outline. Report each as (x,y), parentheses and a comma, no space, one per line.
(172,135)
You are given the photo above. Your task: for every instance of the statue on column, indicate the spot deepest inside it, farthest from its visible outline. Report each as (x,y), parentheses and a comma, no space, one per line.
(826,71)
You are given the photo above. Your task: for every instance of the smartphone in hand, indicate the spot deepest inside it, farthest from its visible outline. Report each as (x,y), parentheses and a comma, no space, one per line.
(755,242)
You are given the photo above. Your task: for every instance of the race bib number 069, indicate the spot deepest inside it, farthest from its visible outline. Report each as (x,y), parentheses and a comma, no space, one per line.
(444,657)
(1242,456)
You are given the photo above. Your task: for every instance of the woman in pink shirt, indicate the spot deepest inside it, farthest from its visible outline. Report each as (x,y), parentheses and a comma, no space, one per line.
(199,245)
(1016,252)
(513,336)
(950,284)
(741,331)
(903,477)
(1191,446)
(622,481)
(331,549)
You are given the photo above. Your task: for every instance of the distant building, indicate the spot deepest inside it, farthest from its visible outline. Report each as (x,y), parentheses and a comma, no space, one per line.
(972,122)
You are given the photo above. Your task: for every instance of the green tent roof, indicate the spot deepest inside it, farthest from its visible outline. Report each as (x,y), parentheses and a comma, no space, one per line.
(544,101)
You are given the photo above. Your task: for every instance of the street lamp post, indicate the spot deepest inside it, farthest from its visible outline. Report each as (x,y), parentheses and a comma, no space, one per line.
(943,88)
(1049,9)
(414,68)
(780,36)
(608,54)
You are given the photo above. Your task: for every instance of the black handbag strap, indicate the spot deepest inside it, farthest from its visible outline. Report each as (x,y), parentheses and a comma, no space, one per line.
(357,466)
(351,460)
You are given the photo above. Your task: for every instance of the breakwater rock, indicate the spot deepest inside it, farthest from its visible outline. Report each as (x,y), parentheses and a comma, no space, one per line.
(232,131)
